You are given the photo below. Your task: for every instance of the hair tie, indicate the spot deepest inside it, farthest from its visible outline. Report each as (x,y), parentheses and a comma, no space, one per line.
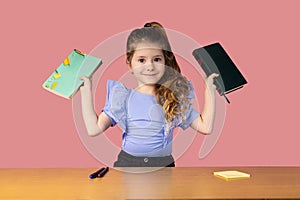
(179,83)
(147,25)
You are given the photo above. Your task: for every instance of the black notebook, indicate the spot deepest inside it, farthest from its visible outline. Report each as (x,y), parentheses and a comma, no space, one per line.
(214,59)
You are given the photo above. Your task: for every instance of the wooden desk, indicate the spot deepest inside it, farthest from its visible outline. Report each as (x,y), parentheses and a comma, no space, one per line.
(167,183)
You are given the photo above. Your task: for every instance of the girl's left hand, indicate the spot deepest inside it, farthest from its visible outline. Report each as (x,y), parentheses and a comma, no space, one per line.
(209,81)
(87,84)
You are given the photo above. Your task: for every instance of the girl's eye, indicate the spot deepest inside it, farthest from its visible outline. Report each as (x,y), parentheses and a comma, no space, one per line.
(157,59)
(141,60)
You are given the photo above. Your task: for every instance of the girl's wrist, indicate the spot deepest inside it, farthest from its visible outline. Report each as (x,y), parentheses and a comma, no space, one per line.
(86,91)
(210,88)
(210,92)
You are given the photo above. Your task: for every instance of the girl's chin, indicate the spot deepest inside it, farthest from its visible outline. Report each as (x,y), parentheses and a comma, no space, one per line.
(151,82)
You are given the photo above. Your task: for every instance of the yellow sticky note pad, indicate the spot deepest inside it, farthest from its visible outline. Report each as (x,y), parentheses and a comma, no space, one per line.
(67,61)
(231,175)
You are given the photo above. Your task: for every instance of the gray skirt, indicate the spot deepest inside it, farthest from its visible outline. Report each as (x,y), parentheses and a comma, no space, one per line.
(128,160)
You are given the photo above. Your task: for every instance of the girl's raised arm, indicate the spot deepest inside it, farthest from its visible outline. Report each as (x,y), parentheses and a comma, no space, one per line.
(95,125)
(204,123)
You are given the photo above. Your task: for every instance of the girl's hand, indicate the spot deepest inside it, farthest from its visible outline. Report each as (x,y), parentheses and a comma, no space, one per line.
(87,85)
(209,81)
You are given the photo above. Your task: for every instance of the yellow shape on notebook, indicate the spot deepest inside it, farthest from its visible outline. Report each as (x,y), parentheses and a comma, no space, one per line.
(67,61)
(56,75)
(231,175)
(53,85)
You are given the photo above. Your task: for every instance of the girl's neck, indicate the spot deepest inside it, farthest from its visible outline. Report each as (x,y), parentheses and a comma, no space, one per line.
(145,89)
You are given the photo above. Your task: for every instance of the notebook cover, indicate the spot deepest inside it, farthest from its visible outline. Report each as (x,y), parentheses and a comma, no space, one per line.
(65,80)
(214,59)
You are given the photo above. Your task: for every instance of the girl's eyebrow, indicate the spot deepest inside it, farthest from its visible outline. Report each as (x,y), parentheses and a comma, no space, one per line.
(153,56)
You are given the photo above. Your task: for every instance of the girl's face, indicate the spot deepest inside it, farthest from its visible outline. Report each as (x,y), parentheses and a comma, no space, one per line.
(148,64)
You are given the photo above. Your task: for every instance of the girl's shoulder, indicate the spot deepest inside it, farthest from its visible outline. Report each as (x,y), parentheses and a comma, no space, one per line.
(191,94)
(115,105)
(113,85)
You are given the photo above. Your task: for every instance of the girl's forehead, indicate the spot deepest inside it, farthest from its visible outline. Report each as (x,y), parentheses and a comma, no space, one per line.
(148,52)
(148,49)
(148,45)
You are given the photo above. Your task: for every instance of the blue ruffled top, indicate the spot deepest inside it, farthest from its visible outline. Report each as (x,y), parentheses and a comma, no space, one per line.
(142,120)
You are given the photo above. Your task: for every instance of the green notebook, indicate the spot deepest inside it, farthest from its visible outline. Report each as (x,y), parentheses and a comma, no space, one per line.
(65,80)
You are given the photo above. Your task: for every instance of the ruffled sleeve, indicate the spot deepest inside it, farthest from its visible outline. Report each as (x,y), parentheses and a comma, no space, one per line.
(115,105)
(191,114)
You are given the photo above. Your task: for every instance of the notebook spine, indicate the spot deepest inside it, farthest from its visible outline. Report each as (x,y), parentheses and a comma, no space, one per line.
(208,71)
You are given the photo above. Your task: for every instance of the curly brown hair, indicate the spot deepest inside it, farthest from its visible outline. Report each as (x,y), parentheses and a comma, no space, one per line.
(172,90)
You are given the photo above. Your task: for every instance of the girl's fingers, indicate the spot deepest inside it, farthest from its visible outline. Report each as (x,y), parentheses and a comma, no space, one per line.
(214,75)
(84,78)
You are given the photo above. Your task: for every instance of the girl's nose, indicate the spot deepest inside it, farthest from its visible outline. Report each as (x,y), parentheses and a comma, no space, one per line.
(150,66)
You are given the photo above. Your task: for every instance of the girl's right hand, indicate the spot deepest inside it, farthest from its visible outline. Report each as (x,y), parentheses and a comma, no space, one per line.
(87,84)
(209,81)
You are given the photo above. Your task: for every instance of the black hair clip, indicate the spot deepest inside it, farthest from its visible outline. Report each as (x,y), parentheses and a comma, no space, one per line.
(147,25)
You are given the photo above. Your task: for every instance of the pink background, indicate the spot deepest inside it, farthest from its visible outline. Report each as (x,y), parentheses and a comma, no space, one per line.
(262,37)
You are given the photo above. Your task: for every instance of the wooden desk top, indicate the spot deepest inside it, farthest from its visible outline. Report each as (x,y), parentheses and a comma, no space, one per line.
(166,183)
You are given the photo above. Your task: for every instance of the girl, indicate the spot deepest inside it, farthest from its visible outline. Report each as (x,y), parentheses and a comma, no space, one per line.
(149,113)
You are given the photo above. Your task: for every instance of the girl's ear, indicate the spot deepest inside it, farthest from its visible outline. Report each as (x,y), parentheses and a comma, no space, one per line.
(128,63)
(129,67)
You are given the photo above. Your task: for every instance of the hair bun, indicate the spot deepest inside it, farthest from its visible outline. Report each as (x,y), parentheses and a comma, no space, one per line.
(147,25)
